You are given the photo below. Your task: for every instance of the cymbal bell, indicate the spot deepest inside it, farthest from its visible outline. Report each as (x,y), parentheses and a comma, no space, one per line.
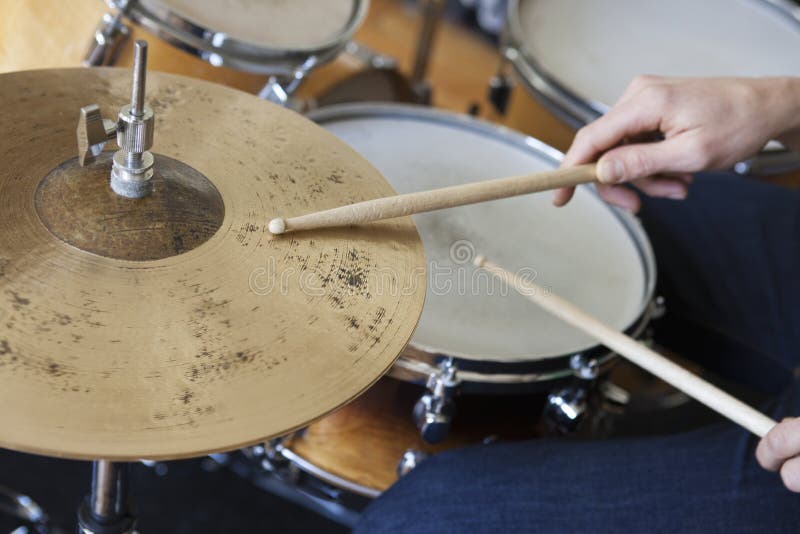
(175,325)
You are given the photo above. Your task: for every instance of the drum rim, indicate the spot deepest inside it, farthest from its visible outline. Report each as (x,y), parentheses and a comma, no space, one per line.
(631,224)
(565,103)
(202,42)
(312,469)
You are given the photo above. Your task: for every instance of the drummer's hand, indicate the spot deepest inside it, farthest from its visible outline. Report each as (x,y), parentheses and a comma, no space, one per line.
(709,123)
(780,450)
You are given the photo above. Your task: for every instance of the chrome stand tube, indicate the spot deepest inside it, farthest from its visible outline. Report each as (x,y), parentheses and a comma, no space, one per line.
(431,17)
(105,510)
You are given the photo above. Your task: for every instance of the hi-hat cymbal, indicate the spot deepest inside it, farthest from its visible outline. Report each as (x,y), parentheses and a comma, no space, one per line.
(175,325)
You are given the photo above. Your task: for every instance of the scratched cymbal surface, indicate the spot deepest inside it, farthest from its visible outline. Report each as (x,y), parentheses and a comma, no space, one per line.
(230,335)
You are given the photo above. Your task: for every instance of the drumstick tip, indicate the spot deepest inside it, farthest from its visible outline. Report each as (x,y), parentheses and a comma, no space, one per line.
(479,260)
(277,226)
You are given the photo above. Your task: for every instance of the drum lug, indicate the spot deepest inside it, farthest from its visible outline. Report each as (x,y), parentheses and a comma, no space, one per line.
(272,456)
(658,308)
(411,458)
(584,368)
(566,408)
(500,86)
(108,38)
(433,412)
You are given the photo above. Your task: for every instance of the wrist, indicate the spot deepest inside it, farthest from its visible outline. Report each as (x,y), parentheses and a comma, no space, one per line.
(784,99)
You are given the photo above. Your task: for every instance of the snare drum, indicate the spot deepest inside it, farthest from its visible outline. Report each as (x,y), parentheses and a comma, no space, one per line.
(475,336)
(576,58)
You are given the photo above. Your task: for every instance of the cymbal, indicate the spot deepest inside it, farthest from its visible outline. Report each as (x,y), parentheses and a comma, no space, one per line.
(175,325)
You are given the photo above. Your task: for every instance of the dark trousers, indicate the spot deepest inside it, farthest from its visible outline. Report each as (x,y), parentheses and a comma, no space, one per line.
(729,268)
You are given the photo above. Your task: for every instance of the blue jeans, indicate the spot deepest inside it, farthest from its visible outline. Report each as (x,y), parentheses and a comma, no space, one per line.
(729,267)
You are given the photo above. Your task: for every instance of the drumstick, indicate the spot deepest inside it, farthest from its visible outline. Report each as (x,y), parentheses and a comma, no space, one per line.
(668,371)
(436,199)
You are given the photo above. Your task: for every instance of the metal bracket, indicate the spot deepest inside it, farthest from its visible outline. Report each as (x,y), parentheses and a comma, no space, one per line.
(583,367)
(433,412)
(279,91)
(109,36)
(411,458)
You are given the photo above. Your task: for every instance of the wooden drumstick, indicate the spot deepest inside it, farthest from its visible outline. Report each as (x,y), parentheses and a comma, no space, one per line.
(436,199)
(668,371)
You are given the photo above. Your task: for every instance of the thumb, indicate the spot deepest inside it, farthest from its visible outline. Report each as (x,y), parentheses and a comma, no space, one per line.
(631,162)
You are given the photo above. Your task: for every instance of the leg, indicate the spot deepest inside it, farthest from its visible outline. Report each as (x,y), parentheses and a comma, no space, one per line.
(728,260)
(702,481)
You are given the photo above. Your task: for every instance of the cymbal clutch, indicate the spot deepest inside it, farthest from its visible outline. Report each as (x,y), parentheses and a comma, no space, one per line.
(132,167)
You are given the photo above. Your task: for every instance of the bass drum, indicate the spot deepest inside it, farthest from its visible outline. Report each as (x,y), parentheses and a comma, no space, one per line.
(575,58)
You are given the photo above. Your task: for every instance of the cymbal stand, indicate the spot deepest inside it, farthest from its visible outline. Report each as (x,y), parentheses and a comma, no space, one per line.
(106,509)
(431,17)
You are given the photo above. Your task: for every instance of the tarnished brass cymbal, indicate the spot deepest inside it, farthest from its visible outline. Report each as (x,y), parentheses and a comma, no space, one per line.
(176,325)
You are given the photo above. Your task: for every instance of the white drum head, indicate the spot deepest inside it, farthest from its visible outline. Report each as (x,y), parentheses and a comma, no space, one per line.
(587,251)
(593,49)
(279,24)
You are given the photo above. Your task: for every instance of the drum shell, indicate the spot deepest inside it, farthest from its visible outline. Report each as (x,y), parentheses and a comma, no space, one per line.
(357,449)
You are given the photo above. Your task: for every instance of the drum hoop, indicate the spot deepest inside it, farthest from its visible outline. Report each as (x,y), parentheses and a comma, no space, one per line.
(575,110)
(513,138)
(329,478)
(206,42)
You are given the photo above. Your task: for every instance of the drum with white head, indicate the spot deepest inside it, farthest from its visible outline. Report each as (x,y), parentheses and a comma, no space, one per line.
(580,56)
(264,36)
(589,252)
(283,39)
(577,57)
(490,339)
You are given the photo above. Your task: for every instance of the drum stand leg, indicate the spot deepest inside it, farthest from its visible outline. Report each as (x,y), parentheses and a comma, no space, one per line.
(106,510)
(431,18)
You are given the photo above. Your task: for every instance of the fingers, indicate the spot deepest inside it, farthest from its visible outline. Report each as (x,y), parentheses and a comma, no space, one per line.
(562,196)
(790,474)
(620,196)
(680,155)
(613,194)
(661,186)
(628,119)
(780,444)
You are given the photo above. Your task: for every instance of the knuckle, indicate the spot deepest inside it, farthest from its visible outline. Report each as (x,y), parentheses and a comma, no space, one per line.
(777,442)
(701,153)
(583,133)
(639,165)
(642,80)
(659,96)
(585,138)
